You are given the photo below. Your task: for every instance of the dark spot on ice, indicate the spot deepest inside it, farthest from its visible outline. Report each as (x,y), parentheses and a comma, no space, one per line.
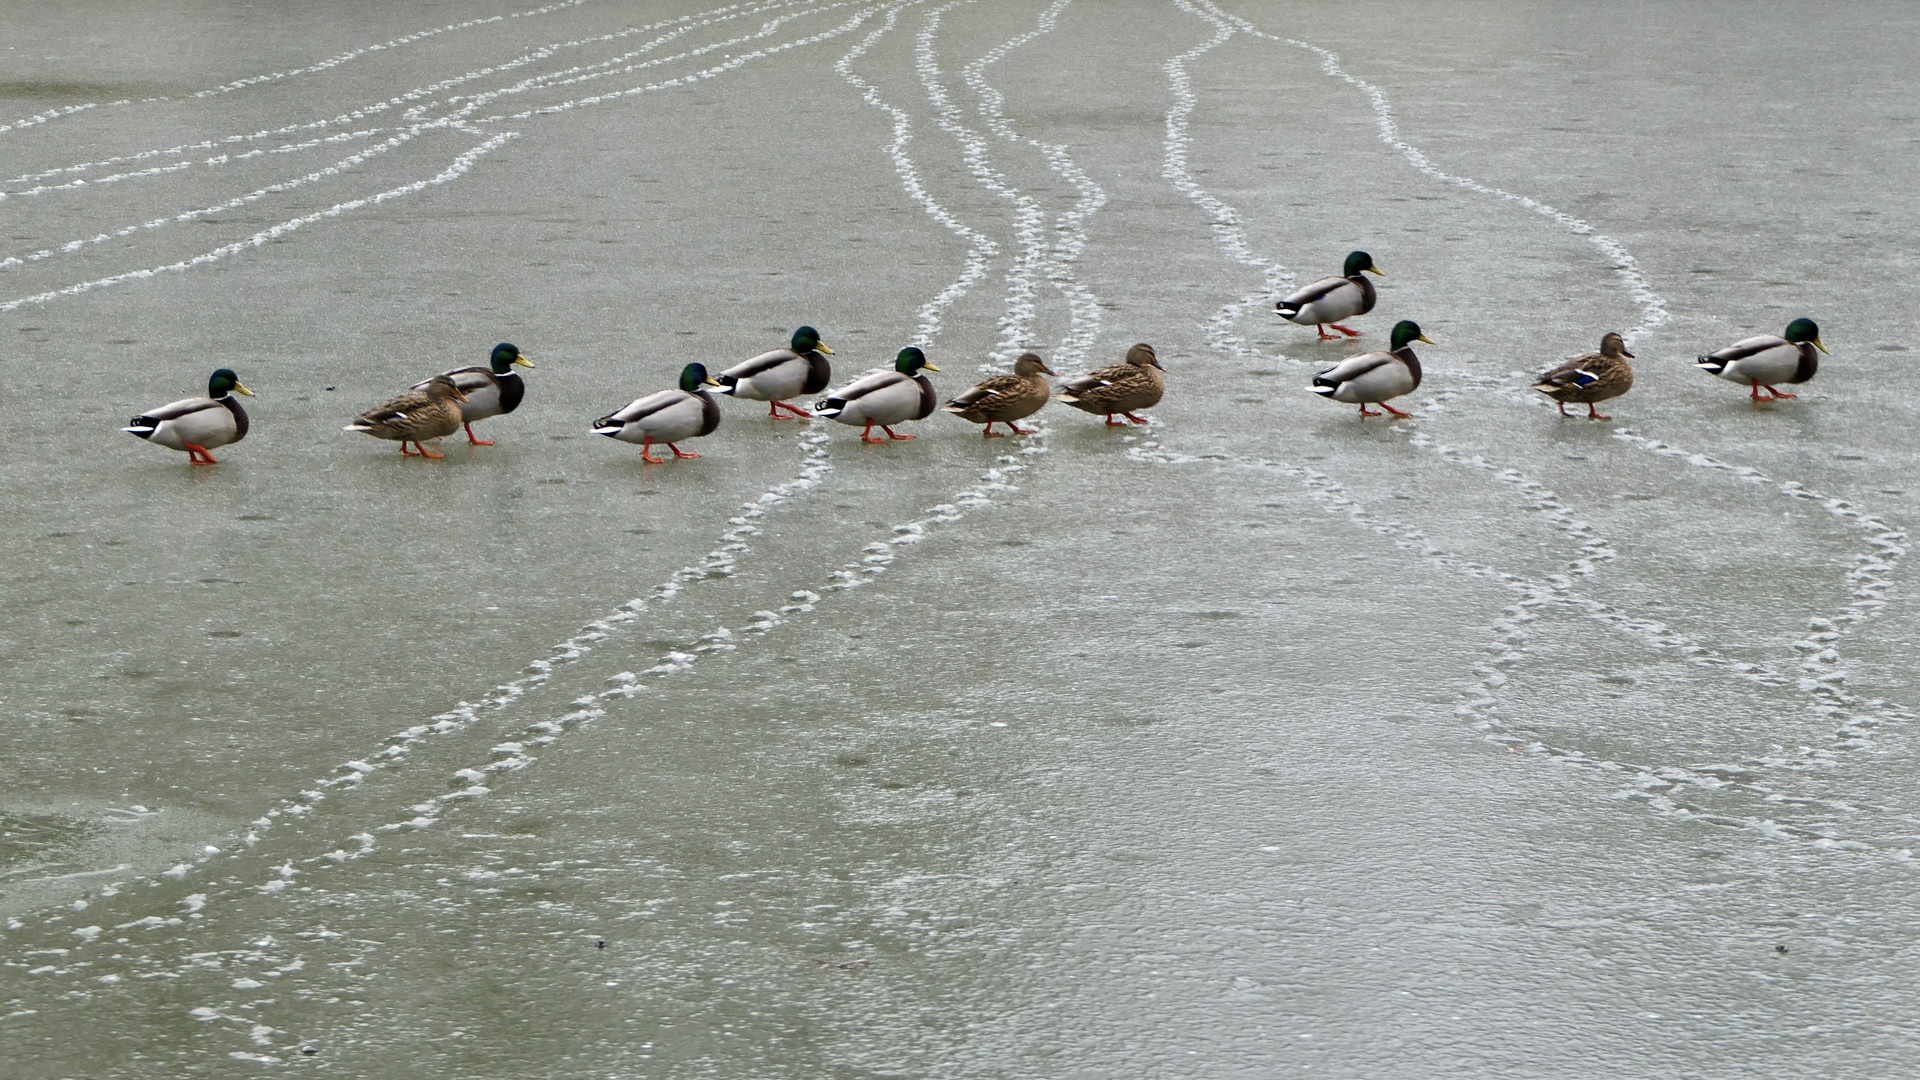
(223,633)
(254,517)
(1850,457)
(124,341)
(1890,348)
(553,480)
(330,388)
(1216,614)
(308,1050)
(1619,680)
(1781,949)
(1016,543)
(892,785)
(850,761)
(1191,644)
(599,944)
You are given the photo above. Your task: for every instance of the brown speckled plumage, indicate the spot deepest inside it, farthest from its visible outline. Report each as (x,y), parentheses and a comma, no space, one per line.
(1006,398)
(1122,388)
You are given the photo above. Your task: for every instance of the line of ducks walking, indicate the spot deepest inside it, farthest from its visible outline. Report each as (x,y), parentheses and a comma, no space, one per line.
(883,398)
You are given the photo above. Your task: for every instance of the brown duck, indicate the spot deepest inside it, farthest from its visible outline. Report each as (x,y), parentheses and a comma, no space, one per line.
(428,413)
(1006,398)
(1592,377)
(1122,388)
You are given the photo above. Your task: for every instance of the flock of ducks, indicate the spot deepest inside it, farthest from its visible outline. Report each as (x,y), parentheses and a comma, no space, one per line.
(883,398)
(1761,362)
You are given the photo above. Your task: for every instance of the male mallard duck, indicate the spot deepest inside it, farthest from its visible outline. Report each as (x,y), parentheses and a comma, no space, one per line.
(1122,388)
(411,417)
(884,397)
(1765,360)
(1332,299)
(666,417)
(491,391)
(783,373)
(1590,377)
(1006,398)
(1373,377)
(197,424)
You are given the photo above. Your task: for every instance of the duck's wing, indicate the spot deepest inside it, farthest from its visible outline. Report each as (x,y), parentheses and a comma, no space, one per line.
(1353,367)
(641,408)
(397,408)
(1745,348)
(866,385)
(760,365)
(1081,385)
(173,410)
(1583,370)
(985,393)
(468,379)
(1311,292)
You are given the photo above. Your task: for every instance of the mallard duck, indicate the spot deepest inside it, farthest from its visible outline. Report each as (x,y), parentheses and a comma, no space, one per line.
(1590,377)
(666,417)
(492,391)
(1331,299)
(422,414)
(776,376)
(1373,377)
(197,424)
(884,397)
(1006,398)
(1763,361)
(1122,388)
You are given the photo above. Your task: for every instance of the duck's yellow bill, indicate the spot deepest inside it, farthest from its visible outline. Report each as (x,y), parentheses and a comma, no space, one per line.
(1376,270)
(523,361)
(1817,345)
(238,389)
(1426,339)
(928,367)
(711,381)
(823,348)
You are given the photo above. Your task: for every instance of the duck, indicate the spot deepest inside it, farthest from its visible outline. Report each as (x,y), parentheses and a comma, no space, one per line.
(667,417)
(775,376)
(428,413)
(884,397)
(1591,377)
(198,424)
(1766,360)
(1372,378)
(491,391)
(1121,389)
(1006,398)
(1331,299)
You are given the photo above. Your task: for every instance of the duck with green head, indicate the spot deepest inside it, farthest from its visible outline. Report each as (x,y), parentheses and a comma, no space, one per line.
(197,425)
(884,397)
(1332,299)
(1764,361)
(775,376)
(666,417)
(1374,377)
(492,390)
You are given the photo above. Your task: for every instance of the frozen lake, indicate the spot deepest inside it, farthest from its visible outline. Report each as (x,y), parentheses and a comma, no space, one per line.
(1261,741)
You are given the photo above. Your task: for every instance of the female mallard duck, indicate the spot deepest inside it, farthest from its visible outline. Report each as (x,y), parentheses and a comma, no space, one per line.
(1122,388)
(491,391)
(1329,300)
(1590,377)
(666,417)
(884,397)
(197,424)
(1006,398)
(783,373)
(1372,378)
(422,414)
(1763,361)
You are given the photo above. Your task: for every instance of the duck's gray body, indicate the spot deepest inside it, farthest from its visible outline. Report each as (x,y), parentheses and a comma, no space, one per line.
(777,376)
(666,417)
(1329,300)
(880,397)
(203,421)
(1764,360)
(1371,377)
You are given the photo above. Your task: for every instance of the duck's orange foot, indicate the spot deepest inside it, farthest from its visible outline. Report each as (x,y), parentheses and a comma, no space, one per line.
(679,453)
(891,434)
(474,440)
(1135,419)
(1347,330)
